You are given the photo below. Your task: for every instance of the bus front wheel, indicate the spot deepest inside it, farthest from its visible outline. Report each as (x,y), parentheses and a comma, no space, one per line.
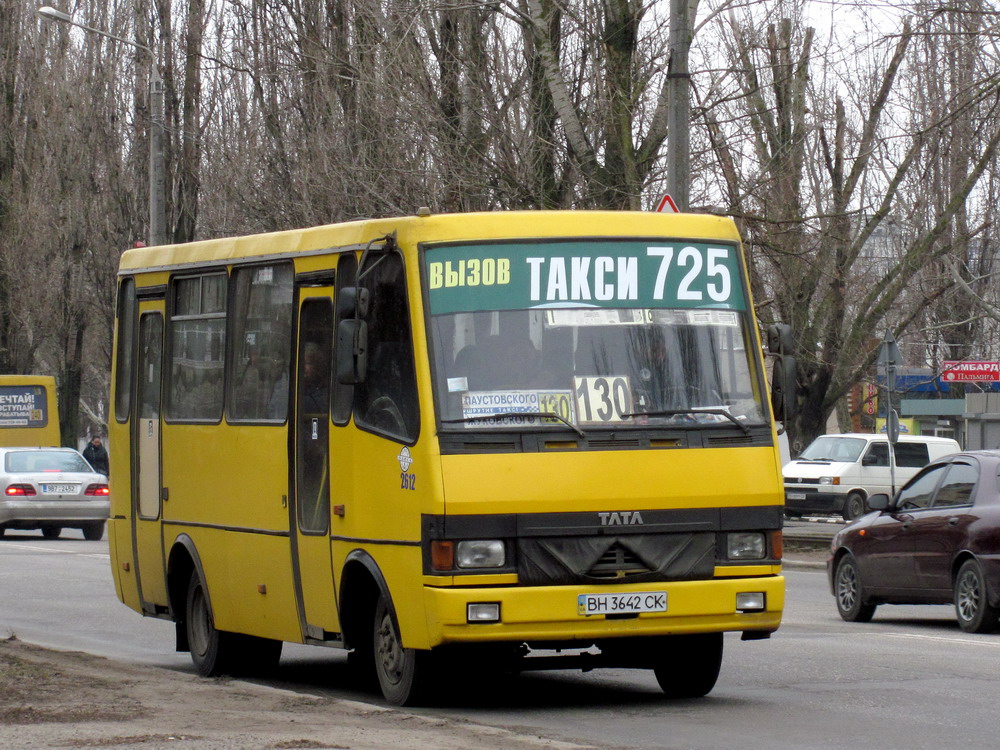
(688,665)
(404,674)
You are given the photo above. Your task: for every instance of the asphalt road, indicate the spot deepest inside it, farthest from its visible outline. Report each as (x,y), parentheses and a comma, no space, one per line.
(910,679)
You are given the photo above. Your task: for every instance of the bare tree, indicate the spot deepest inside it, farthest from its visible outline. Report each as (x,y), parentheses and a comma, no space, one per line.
(824,175)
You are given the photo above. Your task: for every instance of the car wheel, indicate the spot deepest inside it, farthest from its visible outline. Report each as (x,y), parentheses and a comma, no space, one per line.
(51,532)
(404,674)
(854,506)
(688,665)
(847,590)
(975,614)
(93,532)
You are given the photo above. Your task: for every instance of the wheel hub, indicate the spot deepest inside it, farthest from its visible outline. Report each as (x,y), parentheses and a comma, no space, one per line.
(388,650)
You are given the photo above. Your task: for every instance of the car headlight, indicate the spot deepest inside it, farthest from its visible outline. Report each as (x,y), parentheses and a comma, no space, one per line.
(480,554)
(829,480)
(746,545)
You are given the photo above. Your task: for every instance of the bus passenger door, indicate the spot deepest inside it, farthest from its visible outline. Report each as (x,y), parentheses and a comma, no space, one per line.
(310,509)
(146,494)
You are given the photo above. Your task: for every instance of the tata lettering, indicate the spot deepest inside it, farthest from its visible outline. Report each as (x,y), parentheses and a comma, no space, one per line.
(622,274)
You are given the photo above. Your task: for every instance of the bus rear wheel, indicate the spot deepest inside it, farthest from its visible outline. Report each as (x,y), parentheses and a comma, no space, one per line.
(687,666)
(404,674)
(217,652)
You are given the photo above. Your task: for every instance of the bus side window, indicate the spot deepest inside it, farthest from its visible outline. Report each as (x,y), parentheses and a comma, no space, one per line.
(127,313)
(197,348)
(260,346)
(386,402)
(343,394)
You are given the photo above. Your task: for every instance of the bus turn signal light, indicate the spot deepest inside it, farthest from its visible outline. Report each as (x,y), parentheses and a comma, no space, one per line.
(443,555)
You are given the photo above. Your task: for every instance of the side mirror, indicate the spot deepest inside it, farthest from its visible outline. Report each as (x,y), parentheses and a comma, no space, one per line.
(352,351)
(869,459)
(783,384)
(352,302)
(779,339)
(878,502)
(784,376)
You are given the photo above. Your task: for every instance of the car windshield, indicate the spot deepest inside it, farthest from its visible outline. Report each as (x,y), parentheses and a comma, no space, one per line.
(831,448)
(30,461)
(500,364)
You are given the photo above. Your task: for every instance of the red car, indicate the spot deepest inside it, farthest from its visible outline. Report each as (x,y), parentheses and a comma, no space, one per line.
(936,542)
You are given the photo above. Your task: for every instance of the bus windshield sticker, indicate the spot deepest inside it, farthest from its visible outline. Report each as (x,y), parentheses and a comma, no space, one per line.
(457,385)
(511,408)
(712,318)
(597,274)
(603,399)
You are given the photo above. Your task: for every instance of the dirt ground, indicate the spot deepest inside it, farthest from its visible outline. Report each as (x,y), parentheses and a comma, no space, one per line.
(61,699)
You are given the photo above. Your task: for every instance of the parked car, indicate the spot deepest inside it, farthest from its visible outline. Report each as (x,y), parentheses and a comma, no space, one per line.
(51,489)
(936,542)
(838,473)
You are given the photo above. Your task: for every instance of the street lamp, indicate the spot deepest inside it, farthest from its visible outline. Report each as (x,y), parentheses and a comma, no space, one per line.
(157,199)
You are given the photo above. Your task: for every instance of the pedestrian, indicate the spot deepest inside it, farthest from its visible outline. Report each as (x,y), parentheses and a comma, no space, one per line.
(97,455)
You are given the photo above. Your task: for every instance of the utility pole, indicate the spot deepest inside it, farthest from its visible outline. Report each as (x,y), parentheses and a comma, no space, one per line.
(157,168)
(678,106)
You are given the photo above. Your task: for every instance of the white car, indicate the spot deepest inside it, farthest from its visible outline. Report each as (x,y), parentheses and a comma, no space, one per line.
(838,473)
(52,489)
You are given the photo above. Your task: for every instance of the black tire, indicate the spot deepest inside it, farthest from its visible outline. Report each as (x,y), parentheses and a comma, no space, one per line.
(688,665)
(854,506)
(972,606)
(51,532)
(3,530)
(214,652)
(848,592)
(93,532)
(404,674)
(254,655)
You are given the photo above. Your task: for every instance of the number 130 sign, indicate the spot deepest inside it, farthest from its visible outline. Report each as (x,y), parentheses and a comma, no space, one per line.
(603,399)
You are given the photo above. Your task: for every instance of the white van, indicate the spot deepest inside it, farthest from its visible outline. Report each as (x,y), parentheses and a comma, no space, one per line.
(838,473)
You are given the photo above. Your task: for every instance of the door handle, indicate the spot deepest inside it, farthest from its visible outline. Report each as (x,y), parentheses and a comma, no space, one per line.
(953,521)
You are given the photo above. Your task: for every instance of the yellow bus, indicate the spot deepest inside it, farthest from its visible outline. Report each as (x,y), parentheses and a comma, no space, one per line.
(493,441)
(29,411)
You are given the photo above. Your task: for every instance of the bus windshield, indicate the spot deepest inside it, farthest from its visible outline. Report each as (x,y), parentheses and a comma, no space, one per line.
(586,366)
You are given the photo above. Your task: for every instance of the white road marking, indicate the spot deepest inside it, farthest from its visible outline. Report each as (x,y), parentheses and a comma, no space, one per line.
(33,548)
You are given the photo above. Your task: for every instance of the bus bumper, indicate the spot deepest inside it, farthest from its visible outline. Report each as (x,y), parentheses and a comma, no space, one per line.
(550,613)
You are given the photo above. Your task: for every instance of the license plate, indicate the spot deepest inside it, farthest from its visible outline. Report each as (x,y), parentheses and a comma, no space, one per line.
(59,489)
(621,604)
(796,496)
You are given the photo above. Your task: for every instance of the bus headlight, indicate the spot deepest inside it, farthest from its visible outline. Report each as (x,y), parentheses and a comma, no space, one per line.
(746,545)
(480,554)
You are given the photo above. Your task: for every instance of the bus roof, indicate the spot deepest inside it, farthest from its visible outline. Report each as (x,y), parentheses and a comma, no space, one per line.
(437,228)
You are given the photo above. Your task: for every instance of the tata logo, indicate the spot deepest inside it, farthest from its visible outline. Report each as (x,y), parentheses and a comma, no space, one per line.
(621,518)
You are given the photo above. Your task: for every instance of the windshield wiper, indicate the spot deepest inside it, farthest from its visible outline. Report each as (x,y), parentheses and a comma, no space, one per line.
(510,414)
(678,412)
